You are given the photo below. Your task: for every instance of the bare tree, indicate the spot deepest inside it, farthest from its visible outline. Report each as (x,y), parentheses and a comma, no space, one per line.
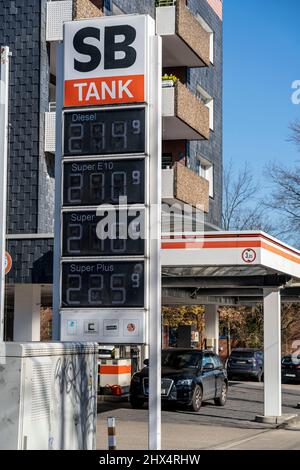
(285,199)
(240,190)
(295,134)
(285,193)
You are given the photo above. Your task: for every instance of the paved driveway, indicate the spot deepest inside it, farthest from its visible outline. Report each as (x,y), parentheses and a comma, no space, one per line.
(231,427)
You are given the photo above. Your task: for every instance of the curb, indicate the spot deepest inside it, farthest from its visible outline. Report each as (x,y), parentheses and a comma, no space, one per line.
(284,419)
(293,424)
(112,398)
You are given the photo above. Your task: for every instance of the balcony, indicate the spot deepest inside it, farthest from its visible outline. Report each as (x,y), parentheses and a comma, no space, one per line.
(184,40)
(184,116)
(58,12)
(87,9)
(49,141)
(180,184)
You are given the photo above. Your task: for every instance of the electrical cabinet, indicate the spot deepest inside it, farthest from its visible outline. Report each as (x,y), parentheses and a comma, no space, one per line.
(48,395)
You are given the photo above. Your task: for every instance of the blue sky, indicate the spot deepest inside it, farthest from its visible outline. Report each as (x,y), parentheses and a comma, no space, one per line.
(261,60)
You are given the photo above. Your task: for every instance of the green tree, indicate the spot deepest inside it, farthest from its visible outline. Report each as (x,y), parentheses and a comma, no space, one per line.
(246,325)
(184,315)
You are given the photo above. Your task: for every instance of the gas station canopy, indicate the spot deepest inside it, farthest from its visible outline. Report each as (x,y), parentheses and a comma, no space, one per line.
(236,268)
(227,267)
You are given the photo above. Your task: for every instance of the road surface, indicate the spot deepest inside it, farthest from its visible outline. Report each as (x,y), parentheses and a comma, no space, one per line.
(230,427)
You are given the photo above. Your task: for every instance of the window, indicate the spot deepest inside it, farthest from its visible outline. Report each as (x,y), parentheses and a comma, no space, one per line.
(206,170)
(207,28)
(207,359)
(292,359)
(181,360)
(208,101)
(242,354)
(217,362)
(116,10)
(167,161)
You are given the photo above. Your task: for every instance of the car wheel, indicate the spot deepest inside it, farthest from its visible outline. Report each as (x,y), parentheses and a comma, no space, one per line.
(221,400)
(136,403)
(197,398)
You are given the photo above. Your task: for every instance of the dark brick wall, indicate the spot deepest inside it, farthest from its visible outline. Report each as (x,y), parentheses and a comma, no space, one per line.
(32,261)
(31,177)
(210,78)
(30,207)
(20,30)
(136,6)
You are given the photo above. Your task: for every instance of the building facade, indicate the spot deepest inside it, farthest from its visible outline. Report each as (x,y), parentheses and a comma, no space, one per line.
(191,33)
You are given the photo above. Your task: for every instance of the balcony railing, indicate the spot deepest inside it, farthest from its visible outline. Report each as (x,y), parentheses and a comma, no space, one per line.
(180,184)
(52,107)
(58,12)
(184,116)
(184,40)
(49,142)
(165,3)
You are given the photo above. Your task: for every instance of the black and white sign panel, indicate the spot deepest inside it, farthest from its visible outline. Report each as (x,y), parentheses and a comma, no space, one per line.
(103,182)
(104,132)
(103,284)
(105,60)
(87,234)
(107,326)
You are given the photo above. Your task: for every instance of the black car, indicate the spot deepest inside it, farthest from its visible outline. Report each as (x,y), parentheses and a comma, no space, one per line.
(290,368)
(245,363)
(188,377)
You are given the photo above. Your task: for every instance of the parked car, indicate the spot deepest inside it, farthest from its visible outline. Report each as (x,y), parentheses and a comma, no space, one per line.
(290,368)
(106,352)
(189,376)
(245,363)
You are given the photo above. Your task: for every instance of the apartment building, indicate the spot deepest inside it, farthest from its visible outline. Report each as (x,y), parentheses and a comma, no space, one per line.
(191,33)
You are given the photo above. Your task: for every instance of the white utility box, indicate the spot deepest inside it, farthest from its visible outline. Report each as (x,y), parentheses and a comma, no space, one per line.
(48,395)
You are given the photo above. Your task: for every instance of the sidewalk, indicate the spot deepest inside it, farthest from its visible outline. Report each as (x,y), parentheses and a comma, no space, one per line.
(133,435)
(229,427)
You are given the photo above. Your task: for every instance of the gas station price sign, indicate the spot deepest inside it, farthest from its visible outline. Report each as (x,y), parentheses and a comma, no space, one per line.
(105,132)
(98,284)
(98,182)
(108,147)
(82,233)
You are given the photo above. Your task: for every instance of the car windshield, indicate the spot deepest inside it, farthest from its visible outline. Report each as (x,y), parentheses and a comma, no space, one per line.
(104,351)
(181,360)
(245,354)
(291,359)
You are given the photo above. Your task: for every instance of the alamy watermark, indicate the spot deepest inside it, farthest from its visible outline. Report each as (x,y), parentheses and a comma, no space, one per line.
(296,93)
(124,221)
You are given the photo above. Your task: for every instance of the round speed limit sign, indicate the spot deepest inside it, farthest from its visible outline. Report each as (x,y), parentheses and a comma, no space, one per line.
(7,263)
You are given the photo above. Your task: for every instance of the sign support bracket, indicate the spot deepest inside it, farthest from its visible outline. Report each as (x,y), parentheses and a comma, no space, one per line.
(155,247)
(57,222)
(4,77)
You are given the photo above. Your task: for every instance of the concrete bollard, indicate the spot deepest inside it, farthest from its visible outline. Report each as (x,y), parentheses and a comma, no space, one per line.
(111,429)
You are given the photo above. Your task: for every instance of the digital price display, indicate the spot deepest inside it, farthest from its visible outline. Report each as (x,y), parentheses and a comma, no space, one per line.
(114,233)
(103,182)
(102,284)
(109,131)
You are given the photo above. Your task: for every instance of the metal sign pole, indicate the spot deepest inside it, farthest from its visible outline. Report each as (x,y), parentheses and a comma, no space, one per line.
(155,247)
(4,77)
(57,221)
